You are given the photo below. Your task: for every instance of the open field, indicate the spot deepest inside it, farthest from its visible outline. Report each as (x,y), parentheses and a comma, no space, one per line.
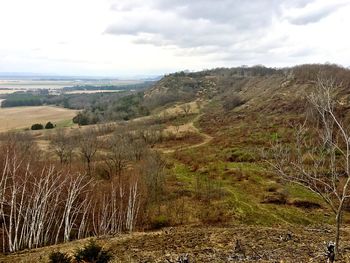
(24,117)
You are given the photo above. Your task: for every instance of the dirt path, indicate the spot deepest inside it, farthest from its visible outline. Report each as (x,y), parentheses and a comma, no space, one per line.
(191,127)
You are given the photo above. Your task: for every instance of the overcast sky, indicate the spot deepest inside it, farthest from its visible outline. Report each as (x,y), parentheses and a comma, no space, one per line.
(121,37)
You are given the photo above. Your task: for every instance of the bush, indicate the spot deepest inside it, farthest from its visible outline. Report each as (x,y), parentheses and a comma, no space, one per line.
(277,198)
(59,257)
(232,101)
(49,125)
(213,214)
(37,126)
(92,252)
(240,155)
(81,119)
(160,222)
(305,204)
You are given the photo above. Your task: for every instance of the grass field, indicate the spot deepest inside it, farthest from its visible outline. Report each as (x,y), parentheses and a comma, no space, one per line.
(24,117)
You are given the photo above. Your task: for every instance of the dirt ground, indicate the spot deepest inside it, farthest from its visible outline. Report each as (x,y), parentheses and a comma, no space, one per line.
(208,244)
(24,117)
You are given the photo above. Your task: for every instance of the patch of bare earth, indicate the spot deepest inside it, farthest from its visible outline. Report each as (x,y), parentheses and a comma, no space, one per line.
(188,127)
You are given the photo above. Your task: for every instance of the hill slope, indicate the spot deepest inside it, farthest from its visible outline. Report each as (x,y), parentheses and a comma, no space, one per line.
(222,124)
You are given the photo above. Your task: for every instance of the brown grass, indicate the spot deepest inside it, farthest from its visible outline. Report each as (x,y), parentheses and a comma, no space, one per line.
(204,244)
(24,117)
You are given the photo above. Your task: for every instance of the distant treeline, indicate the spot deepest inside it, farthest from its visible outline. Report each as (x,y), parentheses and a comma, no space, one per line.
(22,99)
(135,86)
(96,107)
(70,101)
(105,108)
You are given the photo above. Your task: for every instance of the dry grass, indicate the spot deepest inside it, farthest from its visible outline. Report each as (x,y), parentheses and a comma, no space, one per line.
(205,244)
(24,117)
(177,109)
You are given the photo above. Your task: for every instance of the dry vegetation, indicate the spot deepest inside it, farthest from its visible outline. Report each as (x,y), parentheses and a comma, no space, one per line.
(24,117)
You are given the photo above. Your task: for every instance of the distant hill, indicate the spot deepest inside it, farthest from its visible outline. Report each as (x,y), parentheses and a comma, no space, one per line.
(259,87)
(253,89)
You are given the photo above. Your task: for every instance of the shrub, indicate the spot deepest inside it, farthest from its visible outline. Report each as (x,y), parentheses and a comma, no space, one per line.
(59,257)
(37,126)
(92,252)
(240,155)
(277,198)
(160,222)
(305,204)
(81,119)
(49,125)
(232,101)
(213,214)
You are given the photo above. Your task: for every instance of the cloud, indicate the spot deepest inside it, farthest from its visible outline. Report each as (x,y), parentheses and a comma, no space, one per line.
(167,35)
(204,27)
(313,13)
(194,25)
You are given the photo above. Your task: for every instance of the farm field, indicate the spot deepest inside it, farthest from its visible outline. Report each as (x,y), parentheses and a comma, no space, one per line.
(24,117)
(9,91)
(57,84)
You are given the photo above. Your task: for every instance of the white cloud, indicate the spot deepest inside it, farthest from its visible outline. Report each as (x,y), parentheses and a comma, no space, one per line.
(153,36)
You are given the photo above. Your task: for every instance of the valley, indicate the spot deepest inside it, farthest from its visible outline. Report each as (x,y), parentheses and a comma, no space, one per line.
(201,160)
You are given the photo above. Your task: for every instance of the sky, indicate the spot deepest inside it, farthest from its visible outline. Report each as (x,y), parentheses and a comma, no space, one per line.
(150,37)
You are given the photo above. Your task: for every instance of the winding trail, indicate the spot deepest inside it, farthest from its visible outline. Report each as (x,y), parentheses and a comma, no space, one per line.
(191,127)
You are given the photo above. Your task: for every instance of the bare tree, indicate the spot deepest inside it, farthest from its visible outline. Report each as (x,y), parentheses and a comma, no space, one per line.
(320,160)
(152,136)
(63,146)
(132,206)
(38,205)
(154,169)
(118,155)
(138,148)
(115,210)
(77,184)
(88,146)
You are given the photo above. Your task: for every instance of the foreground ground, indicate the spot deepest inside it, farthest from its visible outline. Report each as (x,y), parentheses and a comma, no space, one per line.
(24,117)
(208,244)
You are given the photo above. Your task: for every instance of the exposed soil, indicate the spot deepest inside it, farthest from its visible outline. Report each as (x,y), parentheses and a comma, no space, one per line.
(190,127)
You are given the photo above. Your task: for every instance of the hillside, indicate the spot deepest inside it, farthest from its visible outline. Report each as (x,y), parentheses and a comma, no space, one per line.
(214,131)
(203,244)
